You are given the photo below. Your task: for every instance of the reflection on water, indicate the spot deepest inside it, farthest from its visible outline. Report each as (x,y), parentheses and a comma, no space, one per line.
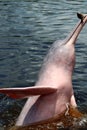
(27,29)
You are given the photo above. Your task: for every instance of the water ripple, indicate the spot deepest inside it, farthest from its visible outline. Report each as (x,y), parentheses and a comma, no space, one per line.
(27,30)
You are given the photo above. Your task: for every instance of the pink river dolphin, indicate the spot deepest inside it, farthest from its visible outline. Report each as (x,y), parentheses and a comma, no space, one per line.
(53,90)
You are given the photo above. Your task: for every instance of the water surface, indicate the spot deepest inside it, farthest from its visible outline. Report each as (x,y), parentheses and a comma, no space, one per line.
(27,30)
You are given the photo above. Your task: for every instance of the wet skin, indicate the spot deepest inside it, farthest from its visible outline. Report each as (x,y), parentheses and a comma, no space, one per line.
(53,89)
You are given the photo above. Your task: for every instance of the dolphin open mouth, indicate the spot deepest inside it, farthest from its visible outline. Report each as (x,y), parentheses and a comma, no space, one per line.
(74,34)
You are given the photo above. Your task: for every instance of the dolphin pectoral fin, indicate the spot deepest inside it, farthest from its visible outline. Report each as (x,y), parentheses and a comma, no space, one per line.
(10,92)
(27,91)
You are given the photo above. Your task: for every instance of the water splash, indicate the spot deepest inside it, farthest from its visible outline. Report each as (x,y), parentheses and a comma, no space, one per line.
(73,120)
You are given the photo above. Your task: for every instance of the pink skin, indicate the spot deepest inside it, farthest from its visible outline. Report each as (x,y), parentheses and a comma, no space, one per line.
(53,89)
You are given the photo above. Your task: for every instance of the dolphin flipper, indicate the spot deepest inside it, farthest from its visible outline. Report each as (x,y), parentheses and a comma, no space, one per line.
(27,91)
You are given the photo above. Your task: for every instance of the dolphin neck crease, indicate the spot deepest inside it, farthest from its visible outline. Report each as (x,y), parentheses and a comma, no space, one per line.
(74,34)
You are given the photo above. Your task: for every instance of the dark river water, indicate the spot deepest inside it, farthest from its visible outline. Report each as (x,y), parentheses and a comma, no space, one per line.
(27,30)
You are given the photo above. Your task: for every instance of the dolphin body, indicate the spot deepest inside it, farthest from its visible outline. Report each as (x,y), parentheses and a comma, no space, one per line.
(53,89)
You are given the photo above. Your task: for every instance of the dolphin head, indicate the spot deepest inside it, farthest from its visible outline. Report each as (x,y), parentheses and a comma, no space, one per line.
(62,53)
